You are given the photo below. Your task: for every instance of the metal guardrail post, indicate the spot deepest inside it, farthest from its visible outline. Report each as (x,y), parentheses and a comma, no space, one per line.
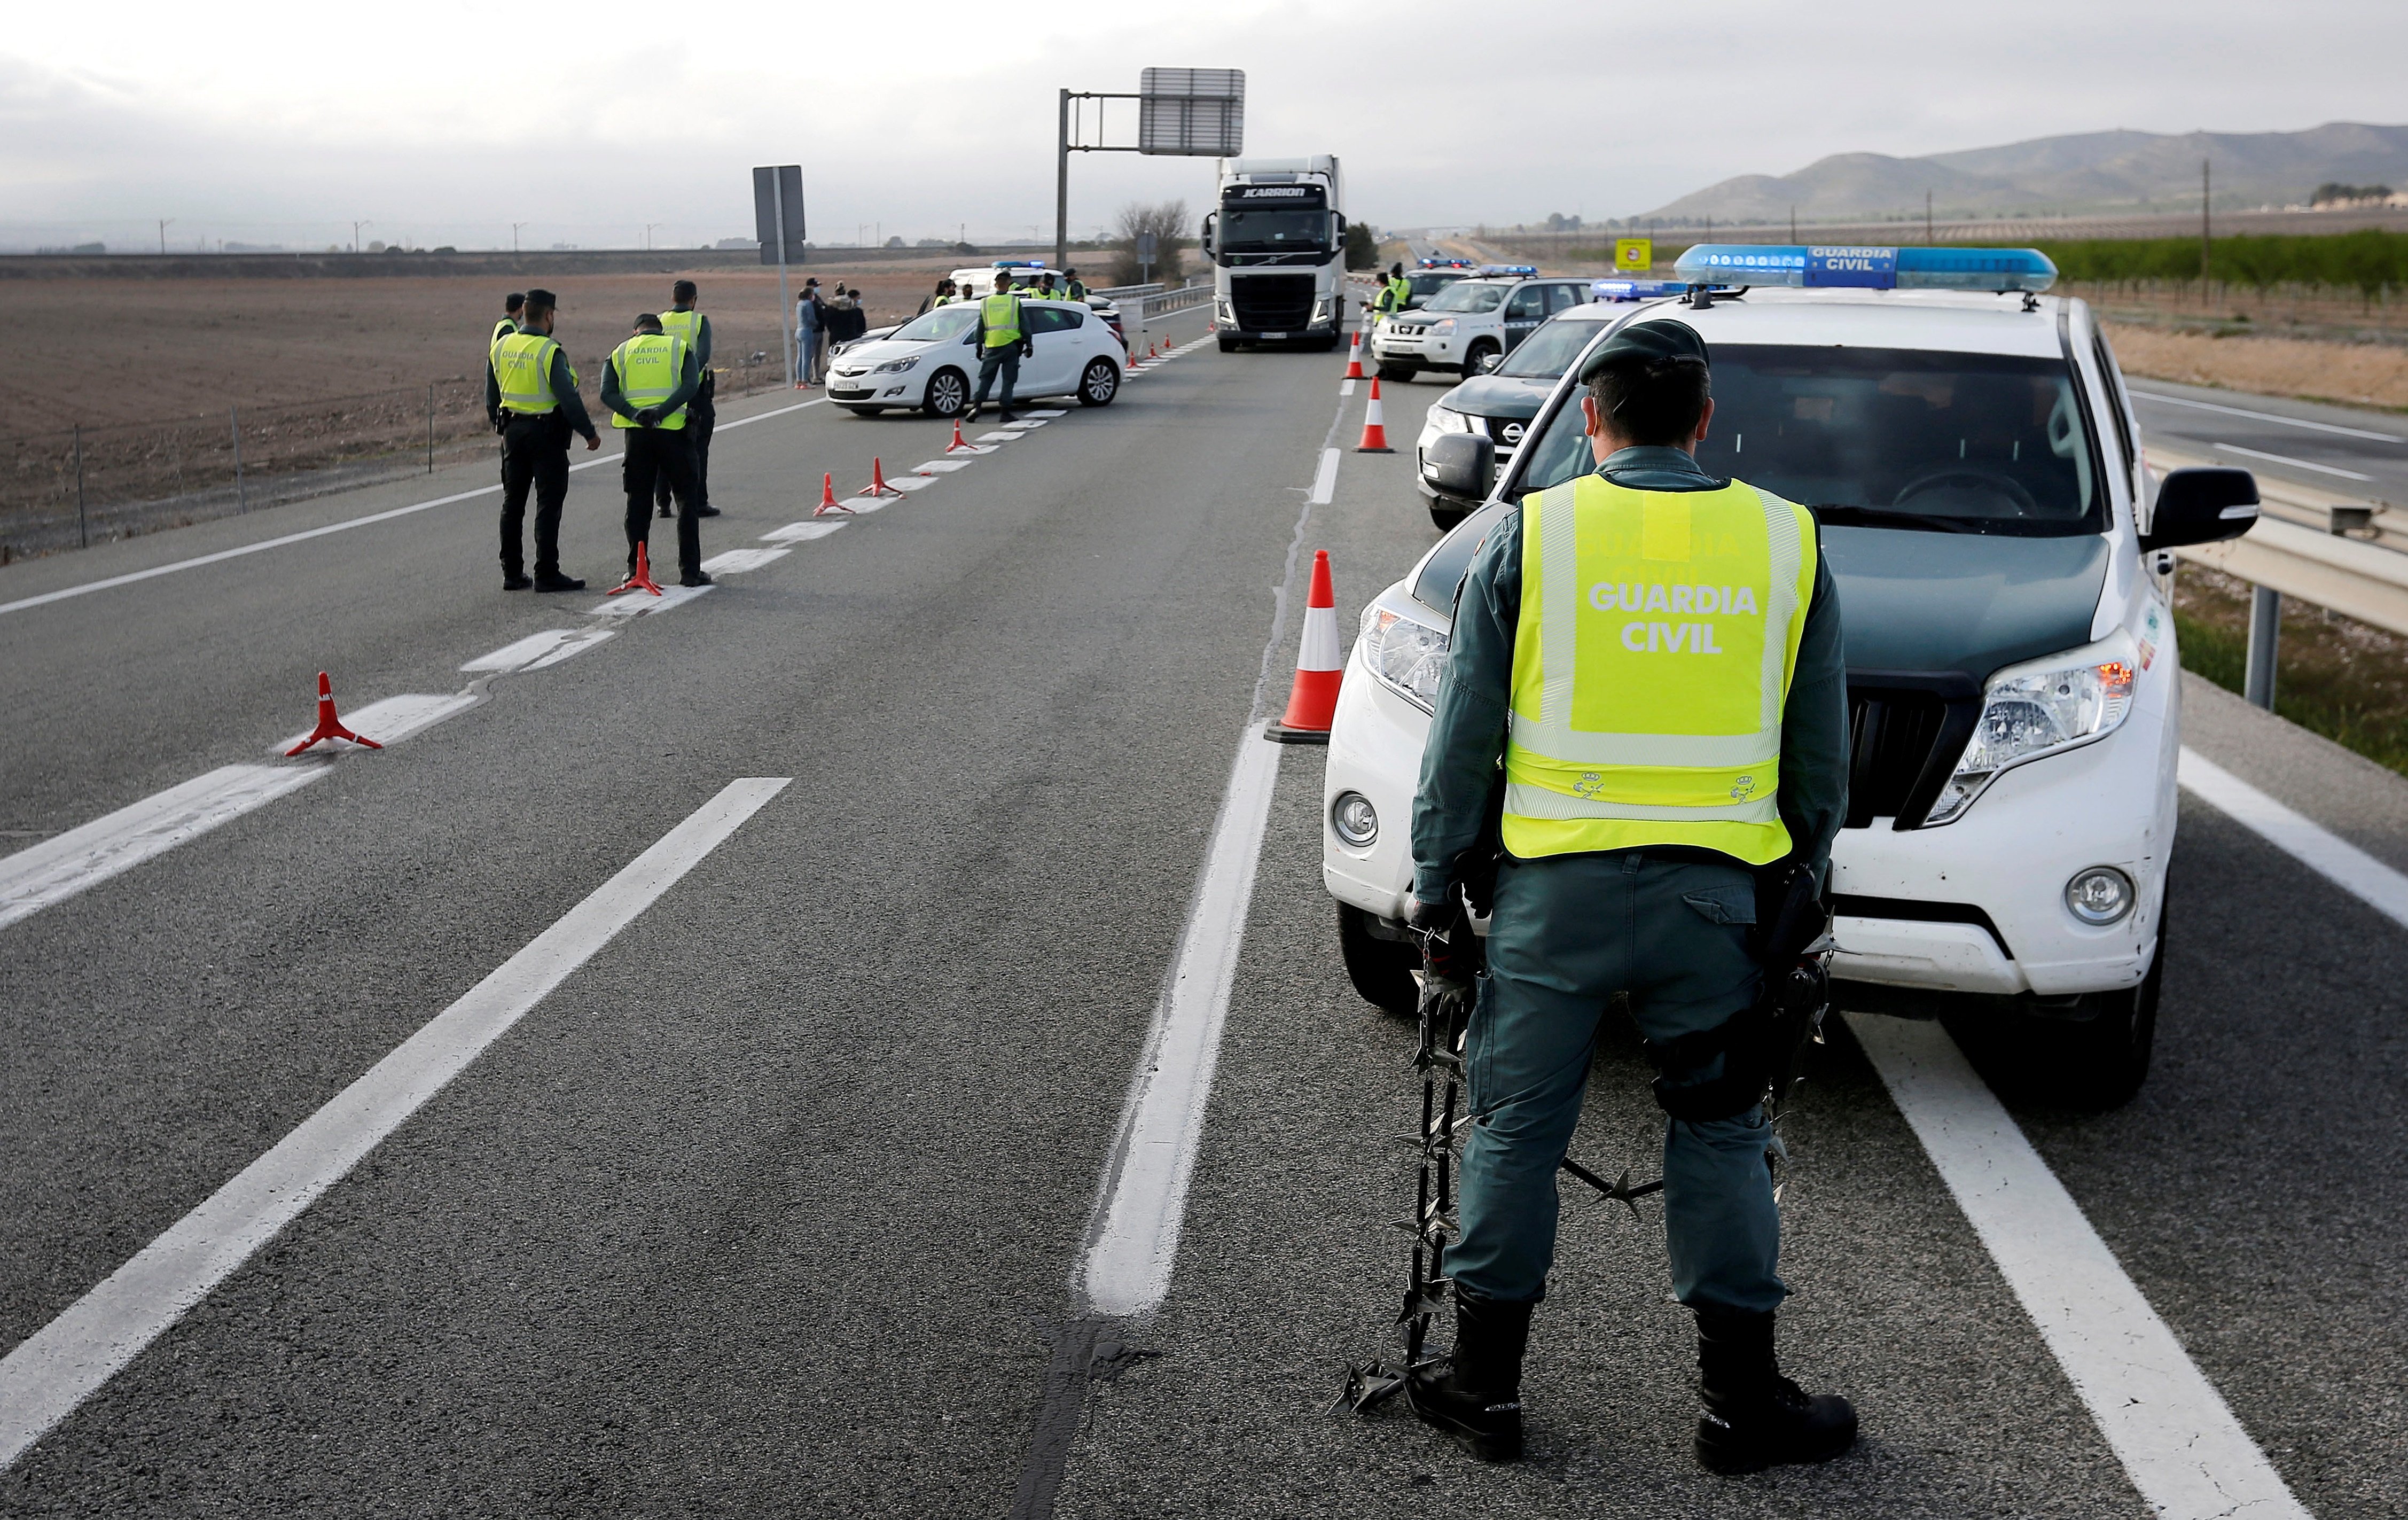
(241,497)
(83,529)
(2265,630)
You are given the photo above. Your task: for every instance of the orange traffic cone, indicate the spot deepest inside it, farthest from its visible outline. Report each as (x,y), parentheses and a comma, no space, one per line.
(1355,356)
(828,498)
(957,446)
(1320,664)
(877,486)
(1151,351)
(640,578)
(329,726)
(1375,431)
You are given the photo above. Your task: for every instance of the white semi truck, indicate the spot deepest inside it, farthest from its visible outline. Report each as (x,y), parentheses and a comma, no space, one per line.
(1277,240)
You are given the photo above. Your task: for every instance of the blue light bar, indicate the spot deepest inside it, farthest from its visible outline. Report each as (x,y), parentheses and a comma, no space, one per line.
(1867,269)
(1635,290)
(1509,268)
(1019,264)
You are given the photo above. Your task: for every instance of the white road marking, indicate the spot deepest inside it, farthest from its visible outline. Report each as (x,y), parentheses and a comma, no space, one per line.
(637,604)
(1346,387)
(57,868)
(1129,1259)
(2340,862)
(2295,464)
(1325,480)
(794,532)
(2187,1454)
(941,466)
(908,483)
(737,561)
(64,1362)
(2164,400)
(538,650)
(344,526)
(996,438)
(390,720)
(1045,416)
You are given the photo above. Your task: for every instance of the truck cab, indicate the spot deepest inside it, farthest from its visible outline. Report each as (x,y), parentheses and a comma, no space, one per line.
(1277,240)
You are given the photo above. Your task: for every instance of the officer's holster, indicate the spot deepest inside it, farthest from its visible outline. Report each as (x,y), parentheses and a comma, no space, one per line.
(1760,1045)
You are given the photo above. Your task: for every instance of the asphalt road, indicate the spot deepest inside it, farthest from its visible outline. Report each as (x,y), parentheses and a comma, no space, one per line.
(2343,450)
(774,1205)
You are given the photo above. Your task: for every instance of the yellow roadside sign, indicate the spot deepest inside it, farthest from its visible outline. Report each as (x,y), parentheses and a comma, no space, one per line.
(1634,253)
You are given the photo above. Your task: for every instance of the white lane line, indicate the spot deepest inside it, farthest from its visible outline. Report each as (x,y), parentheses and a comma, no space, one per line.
(941,466)
(737,561)
(2187,1454)
(1045,416)
(2343,864)
(908,484)
(538,650)
(1025,425)
(57,868)
(1129,1259)
(2295,464)
(637,604)
(64,1362)
(2164,400)
(996,438)
(344,526)
(1325,480)
(1346,387)
(390,720)
(794,532)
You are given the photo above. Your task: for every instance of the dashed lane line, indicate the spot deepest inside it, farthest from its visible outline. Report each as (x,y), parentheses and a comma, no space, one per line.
(538,650)
(64,1362)
(2176,1437)
(737,561)
(2164,400)
(640,604)
(1325,480)
(2286,459)
(794,532)
(128,578)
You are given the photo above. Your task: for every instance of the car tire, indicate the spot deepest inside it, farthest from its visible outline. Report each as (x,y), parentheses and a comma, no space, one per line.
(2090,1058)
(1100,383)
(1480,358)
(948,395)
(1394,374)
(1228,345)
(1381,969)
(864,412)
(1445,517)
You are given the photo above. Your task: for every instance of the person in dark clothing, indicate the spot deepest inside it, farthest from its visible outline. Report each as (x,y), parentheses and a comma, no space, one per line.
(532,401)
(649,384)
(682,321)
(512,305)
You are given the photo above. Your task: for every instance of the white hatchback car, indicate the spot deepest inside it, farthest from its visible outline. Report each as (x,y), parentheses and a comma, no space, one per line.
(930,363)
(2003,568)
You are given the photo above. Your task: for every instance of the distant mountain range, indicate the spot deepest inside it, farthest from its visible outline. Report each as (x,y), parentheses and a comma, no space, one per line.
(2086,173)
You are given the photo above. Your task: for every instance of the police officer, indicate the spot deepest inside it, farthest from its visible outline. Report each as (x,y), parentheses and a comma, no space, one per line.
(1045,291)
(512,305)
(1003,340)
(531,398)
(702,415)
(1666,646)
(649,384)
(1074,288)
(1394,293)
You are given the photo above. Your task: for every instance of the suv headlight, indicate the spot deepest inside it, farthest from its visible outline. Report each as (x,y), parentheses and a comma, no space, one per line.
(1408,658)
(896,366)
(2041,707)
(1441,326)
(1448,420)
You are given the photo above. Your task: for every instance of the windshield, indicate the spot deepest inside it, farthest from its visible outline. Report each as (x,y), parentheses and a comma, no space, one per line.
(1464,295)
(938,326)
(1546,353)
(1429,284)
(1887,438)
(1268,230)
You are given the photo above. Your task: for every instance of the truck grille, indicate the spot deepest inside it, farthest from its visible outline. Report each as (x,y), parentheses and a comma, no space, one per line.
(1272,303)
(1905,731)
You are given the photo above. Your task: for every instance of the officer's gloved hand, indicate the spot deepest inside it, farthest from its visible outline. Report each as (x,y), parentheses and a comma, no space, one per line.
(501,424)
(648,417)
(1452,955)
(1028,351)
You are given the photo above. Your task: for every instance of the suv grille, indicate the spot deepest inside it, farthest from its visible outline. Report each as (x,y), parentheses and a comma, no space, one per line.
(1905,731)
(1272,303)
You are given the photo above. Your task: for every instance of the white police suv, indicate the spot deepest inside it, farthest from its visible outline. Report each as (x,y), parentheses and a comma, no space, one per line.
(2003,568)
(1472,324)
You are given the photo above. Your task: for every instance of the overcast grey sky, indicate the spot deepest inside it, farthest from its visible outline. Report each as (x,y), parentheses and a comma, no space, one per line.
(440,122)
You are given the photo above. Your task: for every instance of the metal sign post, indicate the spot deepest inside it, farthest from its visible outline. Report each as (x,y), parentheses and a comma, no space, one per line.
(1182,112)
(777,220)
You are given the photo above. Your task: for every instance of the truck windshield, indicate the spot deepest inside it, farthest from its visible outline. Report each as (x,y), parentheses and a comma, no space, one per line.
(1465,295)
(1904,439)
(1262,229)
(1546,353)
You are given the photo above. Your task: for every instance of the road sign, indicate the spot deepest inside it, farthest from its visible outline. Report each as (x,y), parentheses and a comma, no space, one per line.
(1201,112)
(778,202)
(1634,253)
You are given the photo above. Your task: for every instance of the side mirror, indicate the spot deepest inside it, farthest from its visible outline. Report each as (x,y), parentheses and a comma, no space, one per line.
(1204,234)
(2203,506)
(1461,464)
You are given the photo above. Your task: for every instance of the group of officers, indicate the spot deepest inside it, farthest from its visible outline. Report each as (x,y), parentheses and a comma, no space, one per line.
(658,386)
(1003,336)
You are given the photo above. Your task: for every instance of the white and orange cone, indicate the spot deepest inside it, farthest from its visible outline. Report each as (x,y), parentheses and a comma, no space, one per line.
(330,727)
(957,446)
(1355,356)
(878,486)
(1375,430)
(828,498)
(1320,666)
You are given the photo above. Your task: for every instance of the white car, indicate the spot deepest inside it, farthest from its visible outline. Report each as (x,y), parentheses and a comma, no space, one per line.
(930,363)
(1472,324)
(2003,570)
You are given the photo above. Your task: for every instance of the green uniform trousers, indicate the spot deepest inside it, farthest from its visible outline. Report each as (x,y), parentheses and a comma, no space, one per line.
(1569,932)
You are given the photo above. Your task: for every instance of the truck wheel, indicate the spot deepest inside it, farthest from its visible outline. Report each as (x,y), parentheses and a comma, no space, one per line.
(2090,1062)
(1395,374)
(1100,384)
(1381,969)
(949,393)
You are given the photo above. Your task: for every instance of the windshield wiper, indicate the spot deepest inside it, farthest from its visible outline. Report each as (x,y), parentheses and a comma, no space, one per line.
(1843,515)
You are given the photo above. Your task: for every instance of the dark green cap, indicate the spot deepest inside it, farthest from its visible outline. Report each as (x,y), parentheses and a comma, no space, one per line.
(1662,340)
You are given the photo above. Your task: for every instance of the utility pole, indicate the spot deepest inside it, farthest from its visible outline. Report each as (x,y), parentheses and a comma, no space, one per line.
(355,231)
(1928,238)
(649,228)
(163,232)
(2204,243)
(1062,181)
(514,234)
(1793,223)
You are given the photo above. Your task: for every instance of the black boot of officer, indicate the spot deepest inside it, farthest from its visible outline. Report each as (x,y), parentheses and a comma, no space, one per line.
(1478,1399)
(1755,1417)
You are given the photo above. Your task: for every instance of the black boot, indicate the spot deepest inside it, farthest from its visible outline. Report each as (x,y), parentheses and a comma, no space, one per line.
(1478,1399)
(1755,1417)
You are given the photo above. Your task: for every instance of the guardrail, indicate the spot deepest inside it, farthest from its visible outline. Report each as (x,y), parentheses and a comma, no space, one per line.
(1163,302)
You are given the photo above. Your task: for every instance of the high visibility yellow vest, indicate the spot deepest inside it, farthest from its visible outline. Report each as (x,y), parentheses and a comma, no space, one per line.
(1001,314)
(502,329)
(1657,638)
(941,300)
(1400,290)
(682,324)
(649,366)
(523,370)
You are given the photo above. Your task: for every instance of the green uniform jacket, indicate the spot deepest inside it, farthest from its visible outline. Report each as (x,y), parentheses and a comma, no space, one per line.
(1466,734)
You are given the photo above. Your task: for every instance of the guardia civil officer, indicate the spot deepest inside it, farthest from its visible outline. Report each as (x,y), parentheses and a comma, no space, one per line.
(512,305)
(1073,288)
(1393,294)
(1003,342)
(531,398)
(650,383)
(702,414)
(1667,646)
